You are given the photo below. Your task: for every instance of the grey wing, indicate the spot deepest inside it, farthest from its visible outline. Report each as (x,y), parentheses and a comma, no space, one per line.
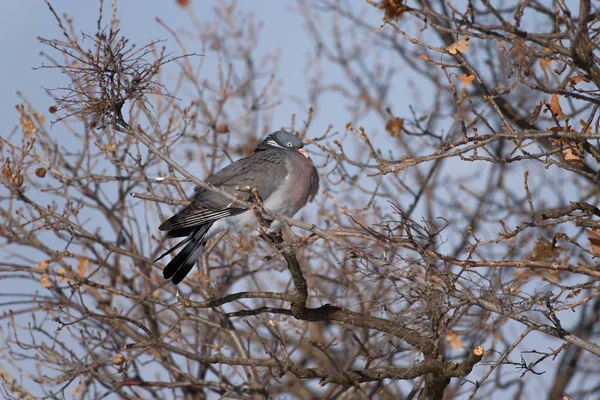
(314,184)
(265,171)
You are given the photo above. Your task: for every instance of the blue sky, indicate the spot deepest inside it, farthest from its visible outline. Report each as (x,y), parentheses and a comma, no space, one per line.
(23,21)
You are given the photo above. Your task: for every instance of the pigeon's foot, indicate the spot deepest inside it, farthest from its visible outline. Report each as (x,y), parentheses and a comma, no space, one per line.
(270,236)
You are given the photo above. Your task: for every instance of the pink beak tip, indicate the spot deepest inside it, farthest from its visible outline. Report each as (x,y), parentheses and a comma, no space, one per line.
(303,152)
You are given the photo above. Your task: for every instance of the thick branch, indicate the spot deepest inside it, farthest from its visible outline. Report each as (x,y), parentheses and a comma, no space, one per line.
(446,369)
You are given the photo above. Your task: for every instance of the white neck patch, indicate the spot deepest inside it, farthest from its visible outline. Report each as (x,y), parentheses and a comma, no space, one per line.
(274,144)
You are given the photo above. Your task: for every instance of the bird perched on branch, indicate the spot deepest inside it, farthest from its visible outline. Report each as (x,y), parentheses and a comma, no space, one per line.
(282,173)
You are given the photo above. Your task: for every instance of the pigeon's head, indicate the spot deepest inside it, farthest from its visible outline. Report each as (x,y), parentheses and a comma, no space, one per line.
(282,140)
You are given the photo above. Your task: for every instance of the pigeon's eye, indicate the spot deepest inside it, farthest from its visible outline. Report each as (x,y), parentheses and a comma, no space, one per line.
(289,144)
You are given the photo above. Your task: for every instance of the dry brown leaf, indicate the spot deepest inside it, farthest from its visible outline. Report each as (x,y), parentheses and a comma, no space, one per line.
(573,293)
(45,281)
(520,51)
(63,272)
(573,156)
(543,249)
(521,276)
(394,126)
(118,359)
(460,46)
(424,57)
(584,126)
(18,180)
(6,171)
(536,112)
(393,9)
(39,117)
(75,389)
(466,79)
(555,106)
(454,340)
(552,276)
(82,264)
(27,124)
(364,96)
(594,238)
(203,277)
(111,148)
(40,172)
(574,80)
(545,63)
(42,265)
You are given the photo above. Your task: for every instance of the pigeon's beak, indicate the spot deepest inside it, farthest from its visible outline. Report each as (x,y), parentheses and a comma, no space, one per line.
(303,152)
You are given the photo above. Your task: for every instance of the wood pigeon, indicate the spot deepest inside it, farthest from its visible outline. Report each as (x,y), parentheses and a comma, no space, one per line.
(281,171)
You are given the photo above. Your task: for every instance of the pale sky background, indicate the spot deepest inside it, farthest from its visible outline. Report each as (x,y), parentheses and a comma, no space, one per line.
(21,22)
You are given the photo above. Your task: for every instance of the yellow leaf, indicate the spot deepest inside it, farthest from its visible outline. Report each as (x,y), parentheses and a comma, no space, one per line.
(83,262)
(460,46)
(466,79)
(555,106)
(594,238)
(111,147)
(454,340)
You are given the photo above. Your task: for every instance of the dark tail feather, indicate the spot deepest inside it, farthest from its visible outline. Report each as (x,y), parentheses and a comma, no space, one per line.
(184,261)
(172,249)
